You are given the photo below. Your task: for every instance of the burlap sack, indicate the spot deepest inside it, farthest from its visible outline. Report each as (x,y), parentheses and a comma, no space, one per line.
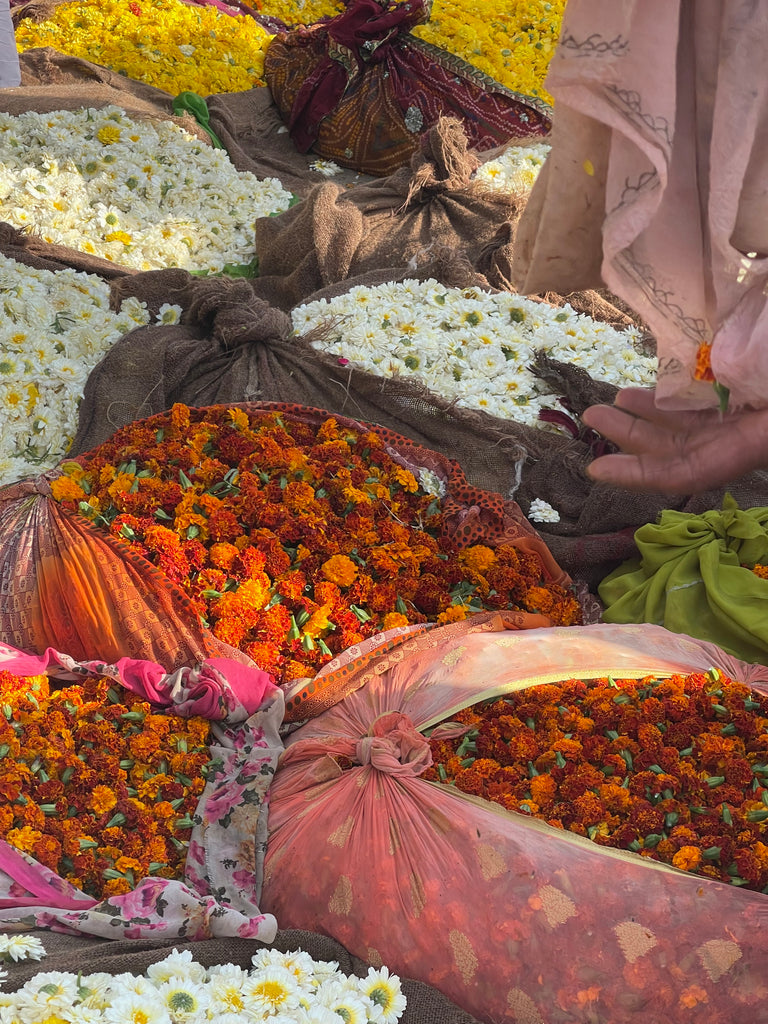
(425,1005)
(391,223)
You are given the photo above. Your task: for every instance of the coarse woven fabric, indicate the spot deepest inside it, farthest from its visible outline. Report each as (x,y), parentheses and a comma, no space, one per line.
(397,222)
(74,954)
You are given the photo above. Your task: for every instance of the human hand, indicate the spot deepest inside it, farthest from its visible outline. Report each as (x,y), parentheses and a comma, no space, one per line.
(675,452)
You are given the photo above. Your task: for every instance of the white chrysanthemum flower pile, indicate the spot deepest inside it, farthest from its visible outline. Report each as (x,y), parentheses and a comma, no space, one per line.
(325,167)
(516,169)
(54,328)
(471,346)
(542,512)
(144,194)
(282,988)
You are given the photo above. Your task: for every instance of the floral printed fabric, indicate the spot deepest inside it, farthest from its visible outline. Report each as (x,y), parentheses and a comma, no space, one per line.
(221,889)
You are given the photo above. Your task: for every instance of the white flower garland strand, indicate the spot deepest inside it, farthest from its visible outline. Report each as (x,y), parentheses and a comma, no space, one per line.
(473,346)
(54,328)
(283,988)
(516,169)
(144,194)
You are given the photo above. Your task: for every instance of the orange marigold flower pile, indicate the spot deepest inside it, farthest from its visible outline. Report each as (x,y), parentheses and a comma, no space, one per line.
(672,769)
(94,784)
(294,540)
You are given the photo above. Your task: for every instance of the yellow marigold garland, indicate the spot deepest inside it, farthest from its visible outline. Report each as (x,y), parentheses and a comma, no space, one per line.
(162,42)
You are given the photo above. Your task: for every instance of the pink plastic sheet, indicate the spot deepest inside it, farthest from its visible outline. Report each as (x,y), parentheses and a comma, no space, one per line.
(512,919)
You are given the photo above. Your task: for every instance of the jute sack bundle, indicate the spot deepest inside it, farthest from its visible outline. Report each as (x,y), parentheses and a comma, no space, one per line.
(395,223)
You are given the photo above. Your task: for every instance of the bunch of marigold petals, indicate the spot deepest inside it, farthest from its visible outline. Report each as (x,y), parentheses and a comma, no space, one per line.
(671,769)
(95,784)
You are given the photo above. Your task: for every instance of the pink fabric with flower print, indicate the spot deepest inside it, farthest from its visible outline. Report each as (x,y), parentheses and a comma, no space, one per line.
(216,689)
(213,900)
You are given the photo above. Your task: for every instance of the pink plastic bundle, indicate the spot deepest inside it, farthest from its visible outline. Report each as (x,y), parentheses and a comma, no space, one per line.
(512,919)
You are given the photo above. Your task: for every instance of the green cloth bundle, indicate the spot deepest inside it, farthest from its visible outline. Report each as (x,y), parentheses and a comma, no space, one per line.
(691,578)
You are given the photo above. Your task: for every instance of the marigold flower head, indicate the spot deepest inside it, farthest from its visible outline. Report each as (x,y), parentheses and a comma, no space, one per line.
(394,619)
(454,613)
(478,557)
(340,569)
(102,799)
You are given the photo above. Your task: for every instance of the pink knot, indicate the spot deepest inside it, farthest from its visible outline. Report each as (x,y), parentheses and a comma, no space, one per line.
(395,747)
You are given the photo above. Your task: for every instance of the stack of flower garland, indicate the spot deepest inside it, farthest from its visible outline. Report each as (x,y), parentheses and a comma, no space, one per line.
(294,540)
(672,769)
(179,48)
(94,785)
(146,195)
(471,345)
(53,331)
(165,43)
(282,988)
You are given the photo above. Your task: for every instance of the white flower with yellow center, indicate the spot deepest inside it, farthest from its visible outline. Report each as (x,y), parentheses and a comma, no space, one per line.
(168,314)
(384,993)
(135,1008)
(344,998)
(299,963)
(185,1000)
(49,991)
(541,511)
(21,947)
(226,992)
(516,169)
(272,989)
(177,964)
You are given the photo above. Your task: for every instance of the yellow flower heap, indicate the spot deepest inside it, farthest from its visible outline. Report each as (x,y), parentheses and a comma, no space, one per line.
(175,47)
(162,42)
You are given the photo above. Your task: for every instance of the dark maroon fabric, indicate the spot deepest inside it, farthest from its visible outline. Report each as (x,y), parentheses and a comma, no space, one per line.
(364,33)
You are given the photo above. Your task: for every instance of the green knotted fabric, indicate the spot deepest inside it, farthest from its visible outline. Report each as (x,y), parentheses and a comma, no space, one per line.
(690,579)
(198,108)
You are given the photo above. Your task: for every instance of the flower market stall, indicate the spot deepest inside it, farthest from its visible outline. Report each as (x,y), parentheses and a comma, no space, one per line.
(327,690)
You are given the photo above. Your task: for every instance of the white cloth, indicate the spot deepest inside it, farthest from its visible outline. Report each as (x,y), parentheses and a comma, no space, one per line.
(9,58)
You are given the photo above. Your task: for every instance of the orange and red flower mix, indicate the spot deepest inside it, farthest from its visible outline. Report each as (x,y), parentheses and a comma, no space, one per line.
(673,769)
(96,786)
(294,540)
